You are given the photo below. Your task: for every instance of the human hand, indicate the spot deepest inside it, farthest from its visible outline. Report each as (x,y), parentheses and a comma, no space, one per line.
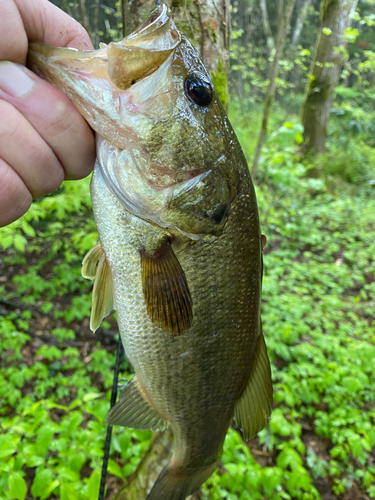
(43,138)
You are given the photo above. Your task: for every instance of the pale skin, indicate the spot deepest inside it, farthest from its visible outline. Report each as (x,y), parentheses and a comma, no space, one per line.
(43,138)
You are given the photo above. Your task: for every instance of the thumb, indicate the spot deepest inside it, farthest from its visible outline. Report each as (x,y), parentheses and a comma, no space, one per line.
(52,116)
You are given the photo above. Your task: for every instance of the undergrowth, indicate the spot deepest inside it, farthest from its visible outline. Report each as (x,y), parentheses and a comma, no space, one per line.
(318,317)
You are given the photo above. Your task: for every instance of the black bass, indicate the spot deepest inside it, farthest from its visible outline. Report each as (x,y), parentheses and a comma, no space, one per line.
(180,251)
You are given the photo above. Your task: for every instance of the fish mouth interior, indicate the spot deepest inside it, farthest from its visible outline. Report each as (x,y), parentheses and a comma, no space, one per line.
(125,62)
(142,52)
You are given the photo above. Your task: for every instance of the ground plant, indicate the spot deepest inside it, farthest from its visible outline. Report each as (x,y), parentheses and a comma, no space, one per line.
(318,302)
(318,318)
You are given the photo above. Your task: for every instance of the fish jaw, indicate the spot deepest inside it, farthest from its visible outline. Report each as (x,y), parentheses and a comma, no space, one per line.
(98,82)
(194,207)
(143,51)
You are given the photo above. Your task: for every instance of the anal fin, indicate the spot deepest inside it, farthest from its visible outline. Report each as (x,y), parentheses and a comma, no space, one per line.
(132,410)
(254,407)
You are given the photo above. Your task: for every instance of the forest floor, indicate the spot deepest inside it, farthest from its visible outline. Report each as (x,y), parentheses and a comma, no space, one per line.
(42,324)
(318,320)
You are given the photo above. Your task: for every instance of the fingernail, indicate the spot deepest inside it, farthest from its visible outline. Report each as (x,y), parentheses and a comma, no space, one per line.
(14,80)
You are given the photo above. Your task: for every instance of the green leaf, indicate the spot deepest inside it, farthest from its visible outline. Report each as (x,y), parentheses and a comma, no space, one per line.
(68,492)
(94,484)
(289,458)
(7,446)
(327,31)
(45,435)
(76,461)
(20,242)
(43,484)
(91,396)
(17,487)
(115,469)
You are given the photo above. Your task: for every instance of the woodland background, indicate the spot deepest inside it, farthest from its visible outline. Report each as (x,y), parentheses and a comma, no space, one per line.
(298,80)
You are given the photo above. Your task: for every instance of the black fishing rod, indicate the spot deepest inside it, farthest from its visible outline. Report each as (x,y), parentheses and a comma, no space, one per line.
(118,358)
(109,428)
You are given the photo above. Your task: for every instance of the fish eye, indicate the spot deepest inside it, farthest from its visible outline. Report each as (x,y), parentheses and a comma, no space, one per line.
(199,90)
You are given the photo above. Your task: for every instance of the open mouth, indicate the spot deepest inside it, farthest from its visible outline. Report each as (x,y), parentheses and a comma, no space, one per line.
(123,63)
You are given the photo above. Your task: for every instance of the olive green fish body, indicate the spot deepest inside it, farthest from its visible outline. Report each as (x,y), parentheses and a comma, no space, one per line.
(193,380)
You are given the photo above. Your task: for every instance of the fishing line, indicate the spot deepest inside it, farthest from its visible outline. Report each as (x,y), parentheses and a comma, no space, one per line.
(109,428)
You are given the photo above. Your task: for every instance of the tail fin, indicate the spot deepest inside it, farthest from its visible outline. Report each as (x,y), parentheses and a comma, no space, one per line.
(177,485)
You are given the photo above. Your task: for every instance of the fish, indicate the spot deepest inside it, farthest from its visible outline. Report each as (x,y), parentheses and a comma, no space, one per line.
(179,255)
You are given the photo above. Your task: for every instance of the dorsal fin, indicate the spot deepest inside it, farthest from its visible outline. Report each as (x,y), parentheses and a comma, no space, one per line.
(166,290)
(95,266)
(254,407)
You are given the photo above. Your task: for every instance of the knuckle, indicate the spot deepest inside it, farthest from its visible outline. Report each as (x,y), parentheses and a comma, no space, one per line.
(9,124)
(15,198)
(60,117)
(53,182)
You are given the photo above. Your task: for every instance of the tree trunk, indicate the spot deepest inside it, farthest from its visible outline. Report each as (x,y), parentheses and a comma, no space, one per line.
(84,16)
(325,72)
(206,24)
(270,96)
(301,16)
(266,26)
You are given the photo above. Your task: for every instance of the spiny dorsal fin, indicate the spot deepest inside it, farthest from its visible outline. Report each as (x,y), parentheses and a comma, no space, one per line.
(132,410)
(166,290)
(254,407)
(91,261)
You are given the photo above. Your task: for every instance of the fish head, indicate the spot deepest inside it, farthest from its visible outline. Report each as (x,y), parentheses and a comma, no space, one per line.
(166,149)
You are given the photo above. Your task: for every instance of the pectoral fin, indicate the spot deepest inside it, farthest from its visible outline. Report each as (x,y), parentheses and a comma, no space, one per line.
(134,411)
(166,290)
(95,266)
(91,261)
(254,406)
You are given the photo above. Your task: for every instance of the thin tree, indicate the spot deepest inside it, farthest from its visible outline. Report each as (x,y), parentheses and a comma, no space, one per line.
(301,17)
(325,72)
(271,90)
(266,25)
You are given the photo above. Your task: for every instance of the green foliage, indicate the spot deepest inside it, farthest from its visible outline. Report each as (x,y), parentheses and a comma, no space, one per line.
(62,443)
(318,306)
(220,82)
(318,290)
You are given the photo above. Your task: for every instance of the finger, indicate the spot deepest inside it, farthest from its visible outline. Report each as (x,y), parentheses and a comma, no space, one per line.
(38,20)
(44,22)
(24,150)
(13,39)
(15,198)
(53,116)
